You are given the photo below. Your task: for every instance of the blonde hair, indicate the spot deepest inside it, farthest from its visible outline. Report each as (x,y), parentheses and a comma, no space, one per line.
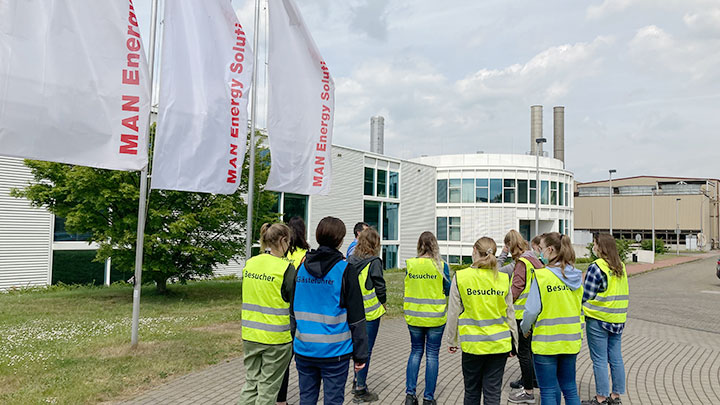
(516,244)
(275,236)
(564,252)
(428,246)
(486,248)
(368,243)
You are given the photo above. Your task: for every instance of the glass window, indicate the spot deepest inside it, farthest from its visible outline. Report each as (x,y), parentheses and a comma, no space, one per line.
(495,190)
(544,192)
(371,213)
(381,183)
(454,228)
(468,190)
(444,258)
(295,205)
(522,191)
(561,226)
(561,194)
(455,186)
(442,191)
(509,191)
(390,221)
(390,256)
(441,231)
(481,190)
(567,195)
(553,193)
(61,235)
(369,181)
(533,192)
(466,260)
(454,259)
(394,184)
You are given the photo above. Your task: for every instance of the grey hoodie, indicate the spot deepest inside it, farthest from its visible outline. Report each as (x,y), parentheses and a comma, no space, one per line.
(533,306)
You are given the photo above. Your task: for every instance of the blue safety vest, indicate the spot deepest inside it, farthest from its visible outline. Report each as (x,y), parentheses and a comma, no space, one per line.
(322,327)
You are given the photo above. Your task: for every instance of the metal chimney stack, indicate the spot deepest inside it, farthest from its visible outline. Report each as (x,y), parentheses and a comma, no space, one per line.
(559,133)
(536,128)
(377,134)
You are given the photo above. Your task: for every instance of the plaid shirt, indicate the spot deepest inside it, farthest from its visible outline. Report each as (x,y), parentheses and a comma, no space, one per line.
(596,282)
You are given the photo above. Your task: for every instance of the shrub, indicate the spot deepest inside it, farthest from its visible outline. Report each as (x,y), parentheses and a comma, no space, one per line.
(660,248)
(623,248)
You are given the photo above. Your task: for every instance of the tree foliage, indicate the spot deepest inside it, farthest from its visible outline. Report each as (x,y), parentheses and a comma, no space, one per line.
(186,234)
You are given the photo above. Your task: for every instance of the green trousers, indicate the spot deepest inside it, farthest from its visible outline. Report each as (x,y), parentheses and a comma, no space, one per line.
(264,370)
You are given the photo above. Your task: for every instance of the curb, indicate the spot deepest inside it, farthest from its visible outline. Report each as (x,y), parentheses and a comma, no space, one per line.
(692,260)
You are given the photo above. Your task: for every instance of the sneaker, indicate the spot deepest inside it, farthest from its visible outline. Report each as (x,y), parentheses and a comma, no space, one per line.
(517,384)
(521,397)
(364,395)
(614,401)
(429,401)
(594,401)
(411,399)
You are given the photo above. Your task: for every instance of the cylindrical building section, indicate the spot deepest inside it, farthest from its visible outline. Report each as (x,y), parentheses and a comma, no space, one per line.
(536,128)
(377,134)
(559,133)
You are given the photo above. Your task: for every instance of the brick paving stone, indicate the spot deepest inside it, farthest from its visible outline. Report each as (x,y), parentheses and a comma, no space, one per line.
(671,349)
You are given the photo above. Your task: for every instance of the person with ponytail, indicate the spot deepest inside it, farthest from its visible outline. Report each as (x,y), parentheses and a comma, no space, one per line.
(427,285)
(266,290)
(553,315)
(605,302)
(481,312)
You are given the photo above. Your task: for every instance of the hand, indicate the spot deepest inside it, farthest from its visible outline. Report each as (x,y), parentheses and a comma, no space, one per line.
(452,349)
(359,366)
(511,354)
(527,335)
(505,249)
(385,306)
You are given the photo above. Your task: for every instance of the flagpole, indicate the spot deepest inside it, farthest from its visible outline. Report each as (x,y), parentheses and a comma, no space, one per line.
(253,114)
(142,205)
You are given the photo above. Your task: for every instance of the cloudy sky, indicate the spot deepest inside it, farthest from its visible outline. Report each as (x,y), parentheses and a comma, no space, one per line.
(640,79)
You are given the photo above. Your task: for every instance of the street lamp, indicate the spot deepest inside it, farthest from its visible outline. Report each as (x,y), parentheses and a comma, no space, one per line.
(611,193)
(539,142)
(652,214)
(677,226)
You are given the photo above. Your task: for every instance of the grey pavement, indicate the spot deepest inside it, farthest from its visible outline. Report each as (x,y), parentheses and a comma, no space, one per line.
(671,348)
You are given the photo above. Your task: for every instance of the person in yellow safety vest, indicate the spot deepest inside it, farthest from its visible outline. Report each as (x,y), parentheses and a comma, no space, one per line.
(267,291)
(553,314)
(481,312)
(372,284)
(521,268)
(427,285)
(605,302)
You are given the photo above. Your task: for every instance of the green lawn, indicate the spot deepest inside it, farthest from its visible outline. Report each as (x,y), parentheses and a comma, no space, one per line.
(72,346)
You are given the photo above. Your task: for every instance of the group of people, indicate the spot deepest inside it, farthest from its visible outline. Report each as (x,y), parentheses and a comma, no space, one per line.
(324,308)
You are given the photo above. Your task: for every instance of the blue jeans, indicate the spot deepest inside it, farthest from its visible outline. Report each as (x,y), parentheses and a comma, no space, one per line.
(420,339)
(605,348)
(361,376)
(332,374)
(556,377)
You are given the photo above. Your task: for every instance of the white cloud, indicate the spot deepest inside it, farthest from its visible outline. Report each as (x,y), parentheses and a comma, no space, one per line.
(706,22)
(608,7)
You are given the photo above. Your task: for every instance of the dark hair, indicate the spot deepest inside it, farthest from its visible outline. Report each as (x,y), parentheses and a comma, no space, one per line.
(297,234)
(564,252)
(607,249)
(536,240)
(359,228)
(330,232)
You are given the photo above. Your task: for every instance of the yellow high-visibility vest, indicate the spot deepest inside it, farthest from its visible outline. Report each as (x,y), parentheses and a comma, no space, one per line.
(425,303)
(482,326)
(610,305)
(373,308)
(557,329)
(265,315)
(522,299)
(296,257)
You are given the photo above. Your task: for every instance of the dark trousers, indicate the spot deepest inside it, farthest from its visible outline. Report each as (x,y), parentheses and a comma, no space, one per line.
(332,374)
(483,375)
(527,369)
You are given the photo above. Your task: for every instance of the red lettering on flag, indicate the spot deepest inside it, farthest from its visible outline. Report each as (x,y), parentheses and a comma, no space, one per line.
(129,144)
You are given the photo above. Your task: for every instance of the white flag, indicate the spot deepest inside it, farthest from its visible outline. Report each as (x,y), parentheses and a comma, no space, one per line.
(73,83)
(301,106)
(204,84)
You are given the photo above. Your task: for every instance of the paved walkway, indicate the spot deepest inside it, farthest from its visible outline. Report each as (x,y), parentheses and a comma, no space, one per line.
(664,363)
(638,268)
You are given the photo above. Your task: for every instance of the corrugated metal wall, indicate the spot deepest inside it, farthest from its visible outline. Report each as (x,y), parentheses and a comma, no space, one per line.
(417,206)
(25,232)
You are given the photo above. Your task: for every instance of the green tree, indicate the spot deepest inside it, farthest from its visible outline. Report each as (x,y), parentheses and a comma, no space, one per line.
(186,234)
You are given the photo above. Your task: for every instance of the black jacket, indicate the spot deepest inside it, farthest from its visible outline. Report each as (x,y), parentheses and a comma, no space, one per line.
(319,263)
(375,278)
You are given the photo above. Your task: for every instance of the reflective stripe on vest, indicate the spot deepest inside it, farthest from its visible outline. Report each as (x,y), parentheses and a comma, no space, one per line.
(519,303)
(610,305)
(322,327)
(557,329)
(425,304)
(482,326)
(373,308)
(265,315)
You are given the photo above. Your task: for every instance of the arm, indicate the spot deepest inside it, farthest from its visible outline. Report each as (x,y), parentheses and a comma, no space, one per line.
(510,319)
(288,286)
(518,279)
(352,300)
(376,280)
(595,282)
(455,308)
(533,306)
(446,279)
